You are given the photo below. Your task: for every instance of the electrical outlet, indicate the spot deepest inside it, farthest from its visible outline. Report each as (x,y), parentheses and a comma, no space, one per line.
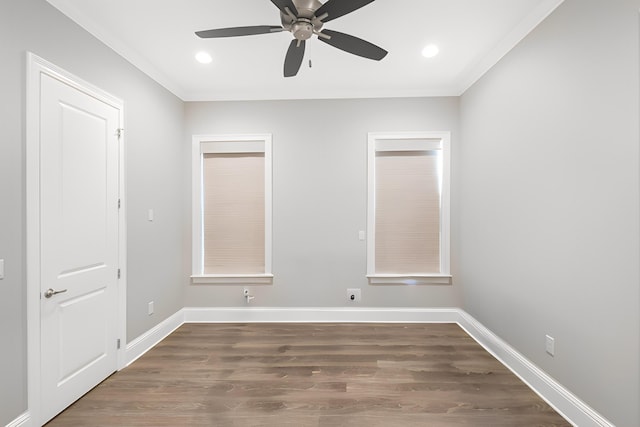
(550,345)
(354,295)
(150,308)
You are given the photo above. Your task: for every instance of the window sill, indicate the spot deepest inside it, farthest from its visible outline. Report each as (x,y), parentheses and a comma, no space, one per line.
(409,279)
(232,279)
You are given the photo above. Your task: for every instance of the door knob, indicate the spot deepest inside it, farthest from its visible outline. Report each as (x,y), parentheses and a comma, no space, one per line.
(50,292)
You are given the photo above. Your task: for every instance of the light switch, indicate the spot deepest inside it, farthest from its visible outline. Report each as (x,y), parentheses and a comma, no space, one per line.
(361,235)
(1,269)
(150,215)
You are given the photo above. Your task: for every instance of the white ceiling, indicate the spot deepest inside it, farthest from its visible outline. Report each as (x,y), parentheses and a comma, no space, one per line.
(158,37)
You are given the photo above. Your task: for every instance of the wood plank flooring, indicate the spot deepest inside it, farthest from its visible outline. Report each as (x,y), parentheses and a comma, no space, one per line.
(313,375)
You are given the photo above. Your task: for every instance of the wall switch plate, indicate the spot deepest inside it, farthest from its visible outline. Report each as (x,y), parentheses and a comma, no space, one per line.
(1,269)
(550,345)
(361,235)
(150,215)
(150,309)
(354,295)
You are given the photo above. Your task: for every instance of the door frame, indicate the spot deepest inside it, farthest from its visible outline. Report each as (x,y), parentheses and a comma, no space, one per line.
(35,67)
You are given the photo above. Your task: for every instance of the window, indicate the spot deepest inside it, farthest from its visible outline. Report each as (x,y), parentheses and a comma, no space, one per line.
(232,209)
(408,208)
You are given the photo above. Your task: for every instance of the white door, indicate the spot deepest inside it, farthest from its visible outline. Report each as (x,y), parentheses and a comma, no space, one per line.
(79,243)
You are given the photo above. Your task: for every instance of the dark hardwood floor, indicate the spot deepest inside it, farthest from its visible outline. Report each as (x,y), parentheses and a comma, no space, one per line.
(313,375)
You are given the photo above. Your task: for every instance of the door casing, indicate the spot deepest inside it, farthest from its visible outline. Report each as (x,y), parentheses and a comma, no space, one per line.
(35,67)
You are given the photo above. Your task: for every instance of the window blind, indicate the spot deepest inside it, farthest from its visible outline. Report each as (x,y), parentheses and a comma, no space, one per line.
(407,212)
(233,213)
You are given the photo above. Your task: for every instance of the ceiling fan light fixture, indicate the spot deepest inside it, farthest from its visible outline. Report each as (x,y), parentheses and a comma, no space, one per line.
(430,51)
(203,58)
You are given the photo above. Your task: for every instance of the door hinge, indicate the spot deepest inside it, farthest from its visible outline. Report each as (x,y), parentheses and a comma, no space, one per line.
(118,203)
(118,343)
(119,132)
(118,273)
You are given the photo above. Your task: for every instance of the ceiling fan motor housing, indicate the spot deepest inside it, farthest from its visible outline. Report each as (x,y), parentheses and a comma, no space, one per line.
(306,24)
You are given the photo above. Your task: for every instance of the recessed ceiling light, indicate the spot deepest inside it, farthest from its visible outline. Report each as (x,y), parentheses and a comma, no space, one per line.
(430,51)
(203,58)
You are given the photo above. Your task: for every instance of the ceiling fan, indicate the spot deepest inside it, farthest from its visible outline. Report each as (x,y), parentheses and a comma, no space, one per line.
(303,19)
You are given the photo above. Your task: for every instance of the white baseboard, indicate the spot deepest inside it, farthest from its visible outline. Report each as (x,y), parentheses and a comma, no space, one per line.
(562,400)
(149,339)
(22,421)
(320,315)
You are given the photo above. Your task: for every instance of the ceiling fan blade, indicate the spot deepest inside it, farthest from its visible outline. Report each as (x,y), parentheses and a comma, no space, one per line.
(293,60)
(284,4)
(238,31)
(337,8)
(353,45)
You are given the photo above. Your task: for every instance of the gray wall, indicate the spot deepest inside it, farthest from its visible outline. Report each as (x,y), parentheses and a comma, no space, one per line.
(320,196)
(549,201)
(153,122)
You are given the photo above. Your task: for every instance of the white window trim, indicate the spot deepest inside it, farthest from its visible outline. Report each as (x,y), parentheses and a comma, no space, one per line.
(401,141)
(254,143)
